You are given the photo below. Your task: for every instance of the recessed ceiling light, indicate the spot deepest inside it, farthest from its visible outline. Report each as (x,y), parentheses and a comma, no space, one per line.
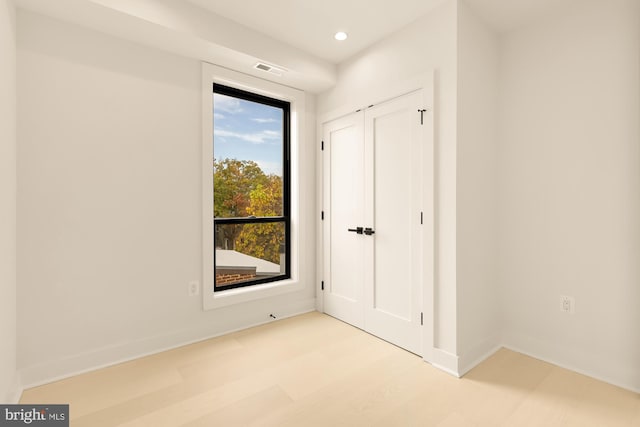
(340,35)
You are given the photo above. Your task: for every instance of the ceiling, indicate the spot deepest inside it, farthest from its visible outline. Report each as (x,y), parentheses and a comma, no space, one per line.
(310,25)
(296,35)
(508,15)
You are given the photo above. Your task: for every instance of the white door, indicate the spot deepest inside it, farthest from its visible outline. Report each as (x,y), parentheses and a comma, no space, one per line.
(344,210)
(393,200)
(373,185)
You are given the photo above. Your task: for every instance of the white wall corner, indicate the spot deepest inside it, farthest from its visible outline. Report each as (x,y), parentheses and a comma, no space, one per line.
(460,365)
(474,357)
(14,394)
(444,361)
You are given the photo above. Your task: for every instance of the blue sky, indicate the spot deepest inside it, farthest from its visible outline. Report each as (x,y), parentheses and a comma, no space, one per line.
(246,130)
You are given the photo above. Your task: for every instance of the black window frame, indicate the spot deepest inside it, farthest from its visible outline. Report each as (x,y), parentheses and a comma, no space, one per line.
(286,190)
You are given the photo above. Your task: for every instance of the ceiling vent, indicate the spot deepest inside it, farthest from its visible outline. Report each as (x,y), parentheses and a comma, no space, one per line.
(270,68)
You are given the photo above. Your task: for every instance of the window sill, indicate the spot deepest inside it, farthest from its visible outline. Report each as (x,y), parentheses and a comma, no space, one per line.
(212,300)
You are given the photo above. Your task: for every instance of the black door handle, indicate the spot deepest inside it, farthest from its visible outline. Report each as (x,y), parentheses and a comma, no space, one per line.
(355,230)
(369,231)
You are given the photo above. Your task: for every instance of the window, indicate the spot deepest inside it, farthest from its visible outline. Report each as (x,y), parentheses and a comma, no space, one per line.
(298,218)
(251,188)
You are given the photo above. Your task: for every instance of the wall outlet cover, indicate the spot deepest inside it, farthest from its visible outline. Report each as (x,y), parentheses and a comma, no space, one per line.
(567,304)
(194,288)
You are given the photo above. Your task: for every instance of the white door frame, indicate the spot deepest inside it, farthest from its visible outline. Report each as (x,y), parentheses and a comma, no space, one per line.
(377,95)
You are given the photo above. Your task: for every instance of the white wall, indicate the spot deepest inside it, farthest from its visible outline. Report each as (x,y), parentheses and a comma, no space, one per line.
(109,203)
(427,44)
(479,308)
(570,189)
(187,30)
(8,379)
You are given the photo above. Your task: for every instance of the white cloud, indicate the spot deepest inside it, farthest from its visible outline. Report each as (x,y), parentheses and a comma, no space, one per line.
(264,120)
(218,116)
(273,134)
(226,104)
(270,168)
(256,137)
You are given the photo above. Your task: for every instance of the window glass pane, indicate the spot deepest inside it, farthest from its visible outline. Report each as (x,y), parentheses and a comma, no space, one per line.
(248,252)
(248,158)
(250,185)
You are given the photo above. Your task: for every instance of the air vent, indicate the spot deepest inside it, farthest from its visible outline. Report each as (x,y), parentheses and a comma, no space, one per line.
(270,68)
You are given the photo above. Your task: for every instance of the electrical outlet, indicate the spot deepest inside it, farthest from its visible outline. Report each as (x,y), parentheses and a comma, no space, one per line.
(194,288)
(567,304)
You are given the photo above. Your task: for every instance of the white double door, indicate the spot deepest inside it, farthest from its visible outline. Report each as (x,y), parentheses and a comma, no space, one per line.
(372,197)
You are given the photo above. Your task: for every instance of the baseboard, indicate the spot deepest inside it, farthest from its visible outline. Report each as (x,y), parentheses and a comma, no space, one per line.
(633,386)
(444,361)
(460,365)
(57,370)
(450,363)
(14,394)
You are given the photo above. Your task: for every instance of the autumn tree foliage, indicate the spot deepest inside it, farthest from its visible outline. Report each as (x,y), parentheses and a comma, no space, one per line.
(233,182)
(264,240)
(242,189)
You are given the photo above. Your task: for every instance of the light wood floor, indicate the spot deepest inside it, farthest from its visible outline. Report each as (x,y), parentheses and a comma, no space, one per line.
(313,370)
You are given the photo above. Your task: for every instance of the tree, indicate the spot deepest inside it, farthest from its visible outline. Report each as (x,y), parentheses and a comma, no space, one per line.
(264,240)
(233,182)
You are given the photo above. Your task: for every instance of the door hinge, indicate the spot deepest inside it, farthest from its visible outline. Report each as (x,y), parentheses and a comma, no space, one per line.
(322,215)
(421,218)
(421,319)
(422,111)
(322,285)
(322,145)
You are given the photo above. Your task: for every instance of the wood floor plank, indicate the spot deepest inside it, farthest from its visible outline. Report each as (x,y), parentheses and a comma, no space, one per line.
(349,394)
(198,406)
(106,387)
(313,370)
(566,398)
(246,411)
(493,383)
